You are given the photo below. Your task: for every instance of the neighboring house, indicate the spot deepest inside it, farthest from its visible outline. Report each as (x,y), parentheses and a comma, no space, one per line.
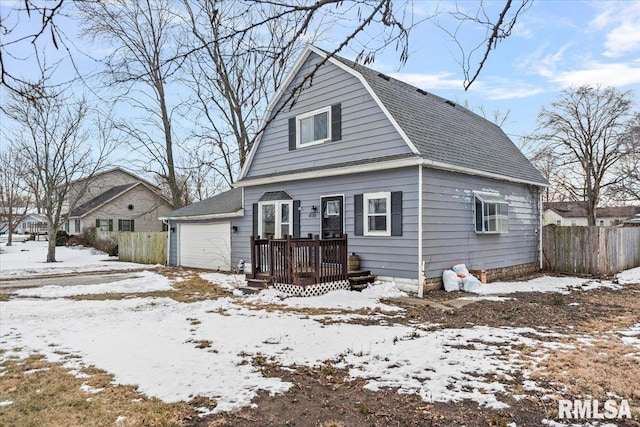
(575,214)
(116,200)
(410,178)
(32,223)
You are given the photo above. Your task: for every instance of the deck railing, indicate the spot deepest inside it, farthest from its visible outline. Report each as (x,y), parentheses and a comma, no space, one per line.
(300,261)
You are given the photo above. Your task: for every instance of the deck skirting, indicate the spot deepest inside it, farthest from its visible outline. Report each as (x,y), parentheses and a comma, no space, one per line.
(312,290)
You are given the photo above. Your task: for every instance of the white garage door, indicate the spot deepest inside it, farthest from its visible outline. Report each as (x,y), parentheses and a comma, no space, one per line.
(205,246)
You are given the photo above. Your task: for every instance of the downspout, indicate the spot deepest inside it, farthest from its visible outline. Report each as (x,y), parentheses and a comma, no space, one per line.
(540,225)
(168,224)
(421,272)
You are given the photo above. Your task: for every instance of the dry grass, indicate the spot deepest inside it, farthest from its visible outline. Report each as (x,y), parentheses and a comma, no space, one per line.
(189,288)
(51,396)
(602,366)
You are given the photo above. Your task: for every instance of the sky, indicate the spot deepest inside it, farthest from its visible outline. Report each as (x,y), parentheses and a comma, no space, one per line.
(555,45)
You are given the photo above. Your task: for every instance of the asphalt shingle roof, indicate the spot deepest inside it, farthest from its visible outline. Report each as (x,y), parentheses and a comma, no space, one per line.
(448,133)
(227,202)
(100,199)
(579,210)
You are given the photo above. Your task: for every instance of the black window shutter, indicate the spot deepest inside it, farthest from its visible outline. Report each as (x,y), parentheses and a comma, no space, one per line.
(110,225)
(336,122)
(119,225)
(396,213)
(255,219)
(292,133)
(97,223)
(296,219)
(357,215)
(132,228)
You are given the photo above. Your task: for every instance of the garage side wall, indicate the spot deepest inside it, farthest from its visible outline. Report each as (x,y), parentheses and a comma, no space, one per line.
(449,237)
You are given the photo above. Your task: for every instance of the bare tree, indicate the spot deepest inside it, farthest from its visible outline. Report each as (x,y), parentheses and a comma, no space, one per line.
(14,199)
(627,186)
(53,134)
(232,75)
(141,37)
(584,127)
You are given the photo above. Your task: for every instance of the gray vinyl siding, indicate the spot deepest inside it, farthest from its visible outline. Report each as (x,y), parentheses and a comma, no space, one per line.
(393,256)
(449,237)
(366,131)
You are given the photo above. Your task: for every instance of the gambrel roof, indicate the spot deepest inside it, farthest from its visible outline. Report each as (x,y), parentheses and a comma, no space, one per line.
(444,135)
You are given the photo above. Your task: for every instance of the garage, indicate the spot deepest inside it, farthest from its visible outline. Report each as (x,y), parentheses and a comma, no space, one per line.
(205,245)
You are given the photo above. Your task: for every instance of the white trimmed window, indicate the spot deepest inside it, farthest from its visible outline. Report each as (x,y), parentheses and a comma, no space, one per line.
(377,214)
(491,213)
(313,127)
(275,218)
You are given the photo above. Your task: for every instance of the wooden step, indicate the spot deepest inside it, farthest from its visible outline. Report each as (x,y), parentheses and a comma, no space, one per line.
(359,283)
(249,290)
(358,273)
(259,283)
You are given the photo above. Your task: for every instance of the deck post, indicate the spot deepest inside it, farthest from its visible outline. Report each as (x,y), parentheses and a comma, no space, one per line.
(253,257)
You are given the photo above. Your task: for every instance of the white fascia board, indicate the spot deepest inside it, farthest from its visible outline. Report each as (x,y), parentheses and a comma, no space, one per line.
(347,170)
(364,82)
(303,57)
(468,171)
(281,90)
(235,214)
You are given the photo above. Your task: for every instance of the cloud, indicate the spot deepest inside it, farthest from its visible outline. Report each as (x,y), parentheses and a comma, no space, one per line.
(431,81)
(595,73)
(622,21)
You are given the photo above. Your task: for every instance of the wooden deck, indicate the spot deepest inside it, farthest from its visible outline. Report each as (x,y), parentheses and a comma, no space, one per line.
(300,262)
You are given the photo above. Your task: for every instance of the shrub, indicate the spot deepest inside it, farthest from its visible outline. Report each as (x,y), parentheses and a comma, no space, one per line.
(88,236)
(108,245)
(61,238)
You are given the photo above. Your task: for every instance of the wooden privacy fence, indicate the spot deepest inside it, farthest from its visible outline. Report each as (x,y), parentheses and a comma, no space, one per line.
(143,247)
(598,251)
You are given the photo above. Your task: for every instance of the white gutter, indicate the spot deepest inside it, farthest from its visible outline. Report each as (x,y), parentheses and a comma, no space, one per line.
(421,273)
(453,168)
(206,216)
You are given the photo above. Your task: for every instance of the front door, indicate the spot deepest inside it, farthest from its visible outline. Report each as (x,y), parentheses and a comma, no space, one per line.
(332,216)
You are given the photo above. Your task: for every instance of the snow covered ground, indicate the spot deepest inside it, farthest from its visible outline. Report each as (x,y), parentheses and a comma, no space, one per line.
(28,259)
(154,342)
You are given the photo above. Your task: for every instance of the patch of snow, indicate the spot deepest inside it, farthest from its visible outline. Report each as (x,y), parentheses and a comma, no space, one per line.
(6,403)
(632,336)
(28,259)
(486,298)
(120,419)
(552,423)
(562,285)
(148,342)
(147,281)
(629,276)
(342,299)
(33,371)
(91,390)
(225,281)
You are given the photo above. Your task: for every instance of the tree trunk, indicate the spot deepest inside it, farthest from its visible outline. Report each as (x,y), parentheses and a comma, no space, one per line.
(51,250)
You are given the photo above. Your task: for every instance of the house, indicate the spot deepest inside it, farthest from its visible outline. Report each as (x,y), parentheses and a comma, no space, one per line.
(409,177)
(575,214)
(116,200)
(32,223)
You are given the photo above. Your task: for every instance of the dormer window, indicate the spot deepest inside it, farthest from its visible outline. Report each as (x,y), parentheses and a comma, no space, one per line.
(314,127)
